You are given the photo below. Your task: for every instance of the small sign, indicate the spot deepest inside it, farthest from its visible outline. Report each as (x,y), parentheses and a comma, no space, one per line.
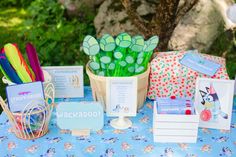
(200,64)
(80,115)
(121,96)
(19,96)
(68,81)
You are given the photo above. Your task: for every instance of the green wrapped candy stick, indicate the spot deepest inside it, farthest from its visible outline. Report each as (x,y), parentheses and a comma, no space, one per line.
(141,55)
(123,41)
(140,60)
(111,68)
(129,59)
(136,46)
(101,73)
(90,46)
(105,59)
(107,43)
(139,69)
(131,69)
(103,66)
(137,43)
(94,66)
(122,63)
(149,47)
(151,43)
(119,53)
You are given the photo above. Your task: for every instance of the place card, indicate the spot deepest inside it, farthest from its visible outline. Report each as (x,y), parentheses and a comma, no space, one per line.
(200,64)
(19,96)
(80,117)
(68,81)
(121,96)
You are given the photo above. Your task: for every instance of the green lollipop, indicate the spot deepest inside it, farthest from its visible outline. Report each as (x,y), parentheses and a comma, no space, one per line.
(131,69)
(90,45)
(141,55)
(107,43)
(103,66)
(123,40)
(91,48)
(137,43)
(119,53)
(136,46)
(111,68)
(151,44)
(139,69)
(101,73)
(105,59)
(140,61)
(94,65)
(122,63)
(129,59)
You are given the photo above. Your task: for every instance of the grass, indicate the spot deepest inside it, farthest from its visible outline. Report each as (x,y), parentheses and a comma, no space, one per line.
(11,22)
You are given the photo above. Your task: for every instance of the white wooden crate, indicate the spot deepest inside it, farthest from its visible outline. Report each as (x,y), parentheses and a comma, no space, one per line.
(173,128)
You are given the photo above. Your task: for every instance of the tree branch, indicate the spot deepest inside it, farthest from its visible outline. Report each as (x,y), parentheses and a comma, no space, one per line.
(182,10)
(162,23)
(135,18)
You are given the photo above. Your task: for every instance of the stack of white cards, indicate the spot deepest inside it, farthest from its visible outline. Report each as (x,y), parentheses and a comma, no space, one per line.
(175,128)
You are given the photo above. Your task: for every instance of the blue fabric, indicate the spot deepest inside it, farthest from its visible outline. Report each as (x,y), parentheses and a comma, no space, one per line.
(135,141)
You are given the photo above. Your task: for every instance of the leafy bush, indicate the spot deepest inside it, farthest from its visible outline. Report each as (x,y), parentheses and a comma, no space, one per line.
(56,37)
(44,23)
(225,45)
(15,3)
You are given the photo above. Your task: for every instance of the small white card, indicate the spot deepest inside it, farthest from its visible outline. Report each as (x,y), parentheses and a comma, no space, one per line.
(68,81)
(121,96)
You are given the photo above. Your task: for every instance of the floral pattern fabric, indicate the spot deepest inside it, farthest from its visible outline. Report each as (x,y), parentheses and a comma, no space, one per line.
(137,141)
(168,77)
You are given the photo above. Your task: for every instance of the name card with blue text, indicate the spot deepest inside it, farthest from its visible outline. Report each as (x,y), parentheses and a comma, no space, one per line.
(200,64)
(20,96)
(80,115)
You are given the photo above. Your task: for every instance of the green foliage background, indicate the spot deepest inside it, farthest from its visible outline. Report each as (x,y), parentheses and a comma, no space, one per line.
(58,37)
(45,23)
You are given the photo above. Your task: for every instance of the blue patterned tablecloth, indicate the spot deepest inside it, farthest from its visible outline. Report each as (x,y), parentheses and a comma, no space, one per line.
(135,141)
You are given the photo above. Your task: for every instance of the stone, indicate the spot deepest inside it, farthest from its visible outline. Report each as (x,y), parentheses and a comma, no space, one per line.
(112,18)
(199,28)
